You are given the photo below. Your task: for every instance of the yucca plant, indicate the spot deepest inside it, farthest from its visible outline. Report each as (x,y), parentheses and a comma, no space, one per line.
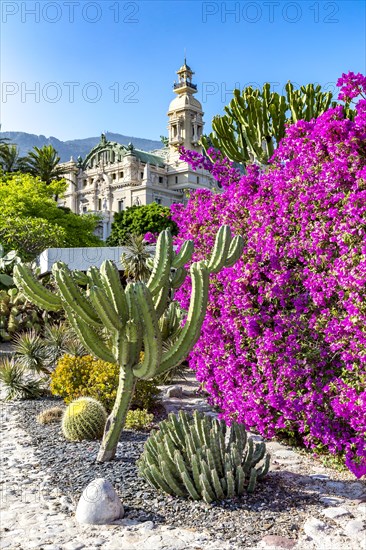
(30,352)
(135,261)
(56,341)
(18,384)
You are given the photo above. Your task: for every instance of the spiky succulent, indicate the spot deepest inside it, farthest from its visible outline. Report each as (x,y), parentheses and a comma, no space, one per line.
(201,458)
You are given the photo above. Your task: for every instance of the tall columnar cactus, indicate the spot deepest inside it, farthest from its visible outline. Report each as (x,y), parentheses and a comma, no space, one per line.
(199,457)
(116,323)
(255,120)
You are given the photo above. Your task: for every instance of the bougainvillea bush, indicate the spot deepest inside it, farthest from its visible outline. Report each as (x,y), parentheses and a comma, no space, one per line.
(283,346)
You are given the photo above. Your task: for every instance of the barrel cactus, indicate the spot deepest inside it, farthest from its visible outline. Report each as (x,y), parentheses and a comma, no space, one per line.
(84,418)
(200,457)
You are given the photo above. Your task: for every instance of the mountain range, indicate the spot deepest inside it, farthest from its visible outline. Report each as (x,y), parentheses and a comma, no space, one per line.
(74,147)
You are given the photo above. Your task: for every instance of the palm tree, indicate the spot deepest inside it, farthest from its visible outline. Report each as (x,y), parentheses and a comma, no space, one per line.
(9,157)
(44,163)
(135,260)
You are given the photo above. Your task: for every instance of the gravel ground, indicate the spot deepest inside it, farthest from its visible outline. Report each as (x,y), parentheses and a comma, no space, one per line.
(279,506)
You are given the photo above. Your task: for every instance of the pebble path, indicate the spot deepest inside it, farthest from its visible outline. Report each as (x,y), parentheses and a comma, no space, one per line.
(33,515)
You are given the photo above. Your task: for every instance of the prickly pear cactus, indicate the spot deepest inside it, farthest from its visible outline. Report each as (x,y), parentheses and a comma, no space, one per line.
(84,418)
(201,458)
(17,314)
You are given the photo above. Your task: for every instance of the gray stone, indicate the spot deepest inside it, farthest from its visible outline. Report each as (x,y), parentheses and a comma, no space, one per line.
(331,501)
(321,477)
(174,391)
(147,525)
(74,546)
(334,512)
(99,504)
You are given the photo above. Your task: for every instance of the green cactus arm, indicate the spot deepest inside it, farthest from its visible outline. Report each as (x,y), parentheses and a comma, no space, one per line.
(34,291)
(196,314)
(194,460)
(230,484)
(162,263)
(72,295)
(114,289)
(259,452)
(206,490)
(220,250)
(239,481)
(160,301)
(184,255)
(89,337)
(185,476)
(252,480)
(133,326)
(159,480)
(93,277)
(235,250)
(217,485)
(178,278)
(102,306)
(171,480)
(151,334)
(263,470)
(247,462)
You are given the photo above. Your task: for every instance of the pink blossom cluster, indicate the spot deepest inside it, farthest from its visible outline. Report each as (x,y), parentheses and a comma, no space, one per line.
(283,345)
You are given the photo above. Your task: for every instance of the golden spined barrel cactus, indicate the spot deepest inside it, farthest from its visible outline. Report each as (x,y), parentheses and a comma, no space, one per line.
(200,457)
(84,418)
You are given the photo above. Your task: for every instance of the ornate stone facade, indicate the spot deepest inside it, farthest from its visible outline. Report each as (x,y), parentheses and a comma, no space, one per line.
(113,177)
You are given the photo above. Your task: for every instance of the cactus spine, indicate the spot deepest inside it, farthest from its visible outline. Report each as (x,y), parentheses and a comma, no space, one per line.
(136,318)
(84,418)
(199,457)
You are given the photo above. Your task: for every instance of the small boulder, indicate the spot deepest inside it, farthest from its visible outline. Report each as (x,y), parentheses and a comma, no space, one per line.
(99,504)
(174,391)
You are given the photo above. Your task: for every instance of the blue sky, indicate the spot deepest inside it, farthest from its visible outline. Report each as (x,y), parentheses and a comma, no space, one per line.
(109,65)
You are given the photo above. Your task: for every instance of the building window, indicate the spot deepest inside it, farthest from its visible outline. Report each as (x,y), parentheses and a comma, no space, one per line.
(114,176)
(198,179)
(120,205)
(158,200)
(91,180)
(176,179)
(85,183)
(160,179)
(121,175)
(85,209)
(141,175)
(99,204)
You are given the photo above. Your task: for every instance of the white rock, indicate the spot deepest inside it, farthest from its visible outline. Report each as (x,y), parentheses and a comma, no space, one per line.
(99,504)
(334,512)
(355,527)
(313,527)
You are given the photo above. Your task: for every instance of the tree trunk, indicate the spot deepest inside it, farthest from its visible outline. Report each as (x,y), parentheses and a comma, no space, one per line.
(117,418)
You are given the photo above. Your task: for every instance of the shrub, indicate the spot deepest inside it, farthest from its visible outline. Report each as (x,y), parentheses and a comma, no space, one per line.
(138,420)
(84,418)
(50,416)
(75,377)
(198,457)
(283,347)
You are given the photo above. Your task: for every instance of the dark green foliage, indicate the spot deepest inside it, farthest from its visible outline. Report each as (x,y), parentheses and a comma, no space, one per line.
(200,457)
(138,220)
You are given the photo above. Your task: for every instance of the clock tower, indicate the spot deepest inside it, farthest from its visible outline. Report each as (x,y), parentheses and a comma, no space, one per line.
(185,114)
